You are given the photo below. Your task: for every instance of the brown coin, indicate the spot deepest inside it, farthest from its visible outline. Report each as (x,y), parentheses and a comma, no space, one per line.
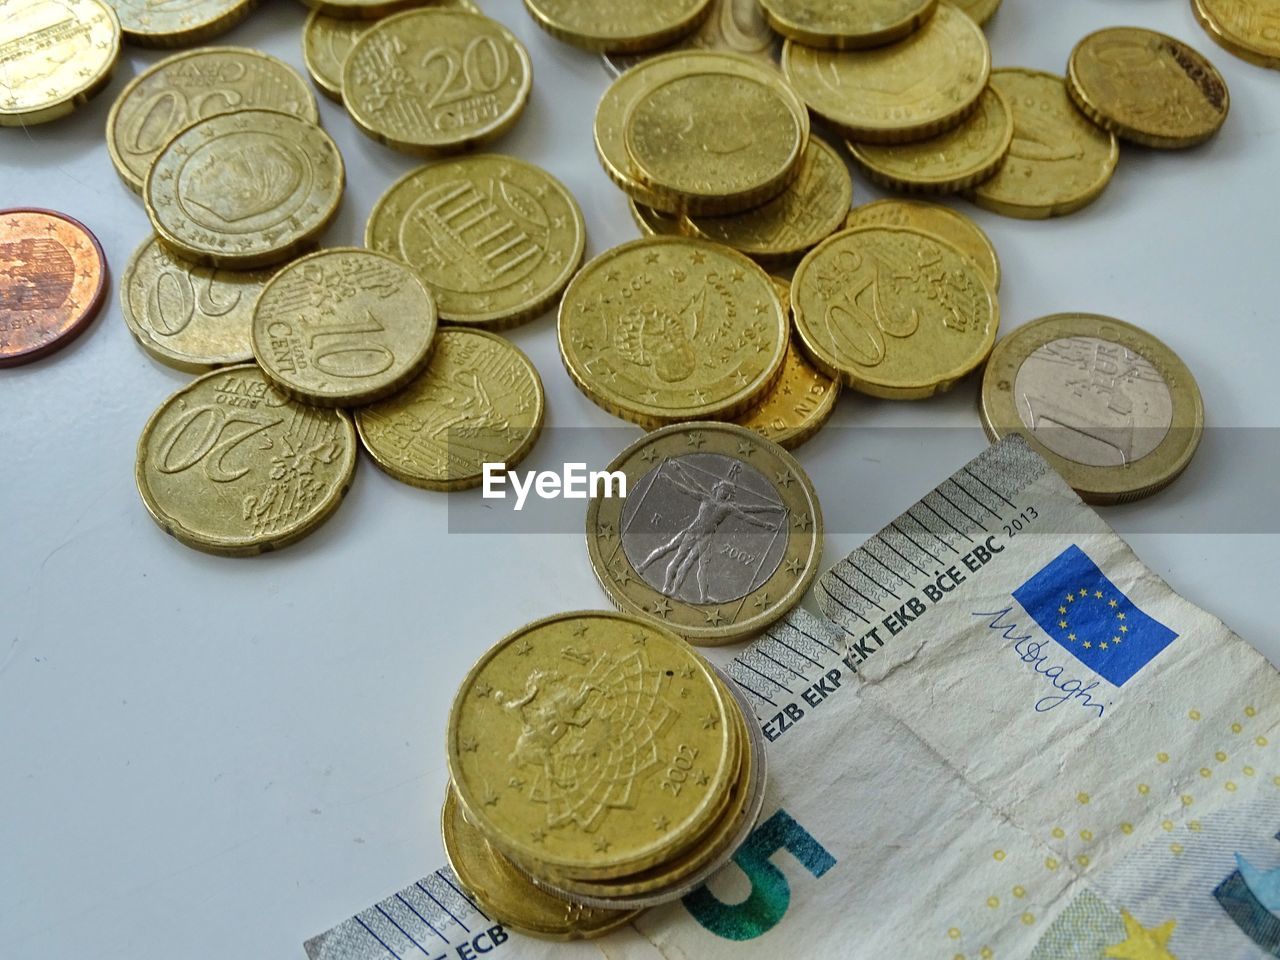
(52,278)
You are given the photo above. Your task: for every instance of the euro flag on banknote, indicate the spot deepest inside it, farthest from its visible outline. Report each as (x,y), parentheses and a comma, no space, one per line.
(1076,605)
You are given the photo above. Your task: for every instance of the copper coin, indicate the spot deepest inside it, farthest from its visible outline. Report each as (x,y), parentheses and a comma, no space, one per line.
(52,278)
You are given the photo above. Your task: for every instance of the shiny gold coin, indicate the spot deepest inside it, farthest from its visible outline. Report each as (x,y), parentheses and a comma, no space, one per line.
(910,90)
(1147,87)
(479,401)
(244,190)
(951,225)
(362,9)
(847,24)
(230,465)
(1107,404)
(192,86)
(655,223)
(668,329)
(178,23)
(1059,161)
(495,239)
(619,26)
(395,81)
(797,406)
(1250,29)
(731,26)
(894,312)
(571,743)
(979,10)
(805,214)
(54,56)
(956,160)
(343,327)
(719,536)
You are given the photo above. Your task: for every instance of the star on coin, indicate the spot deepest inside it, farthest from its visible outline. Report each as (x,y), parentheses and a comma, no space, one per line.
(715,617)
(662,608)
(490,799)
(622,574)
(710,722)
(794,566)
(602,845)
(483,690)
(763,601)
(639,639)
(696,439)
(746,448)
(580,630)
(469,745)
(661,824)
(539,835)
(524,648)
(651,258)
(701,778)
(784,478)
(804,522)
(650,454)
(688,673)
(698,257)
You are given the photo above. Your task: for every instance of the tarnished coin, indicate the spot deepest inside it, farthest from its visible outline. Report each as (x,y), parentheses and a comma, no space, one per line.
(731,26)
(847,24)
(244,190)
(955,160)
(178,91)
(720,533)
(952,226)
(52,279)
(178,23)
(1107,404)
(619,26)
(1147,87)
(912,89)
(479,401)
(980,10)
(343,327)
(433,81)
(655,223)
(54,56)
(1248,28)
(1058,162)
(805,214)
(894,312)
(495,239)
(230,465)
(668,329)
(190,317)
(797,406)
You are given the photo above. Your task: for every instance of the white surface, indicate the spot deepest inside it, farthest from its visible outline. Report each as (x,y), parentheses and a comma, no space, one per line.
(216,759)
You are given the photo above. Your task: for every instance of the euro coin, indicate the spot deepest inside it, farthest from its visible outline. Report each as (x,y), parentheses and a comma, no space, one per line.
(910,90)
(1113,409)
(178,23)
(951,225)
(480,400)
(56,54)
(979,10)
(655,223)
(668,329)
(1250,29)
(894,312)
(619,26)
(392,86)
(797,406)
(1147,88)
(230,465)
(844,25)
(731,26)
(193,86)
(1058,162)
(494,238)
(361,9)
(244,190)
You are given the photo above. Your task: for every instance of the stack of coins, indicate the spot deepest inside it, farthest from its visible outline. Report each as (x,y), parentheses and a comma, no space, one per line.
(599,766)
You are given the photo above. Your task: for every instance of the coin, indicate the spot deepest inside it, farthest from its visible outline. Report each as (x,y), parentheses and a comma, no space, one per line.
(56,54)
(178,23)
(805,214)
(731,26)
(655,223)
(433,81)
(955,160)
(797,406)
(230,465)
(244,190)
(910,90)
(667,329)
(980,10)
(719,536)
(1107,404)
(479,401)
(619,26)
(191,86)
(951,225)
(847,24)
(1147,87)
(1248,28)
(361,9)
(190,317)
(894,312)
(1058,162)
(53,275)
(495,239)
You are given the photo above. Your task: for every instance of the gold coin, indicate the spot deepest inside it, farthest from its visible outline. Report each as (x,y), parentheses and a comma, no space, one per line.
(595,744)
(951,225)
(1059,161)
(192,86)
(479,401)
(805,214)
(979,10)
(1248,28)
(719,536)
(189,317)
(731,26)
(244,190)
(619,26)
(343,327)
(955,160)
(668,329)
(362,9)
(910,90)
(495,239)
(797,406)
(178,23)
(847,24)
(655,223)
(229,465)
(1107,404)
(433,81)
(54,56)
(894,312)
(1147,87)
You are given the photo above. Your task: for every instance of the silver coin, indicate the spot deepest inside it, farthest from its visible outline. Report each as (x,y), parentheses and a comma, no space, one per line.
(733,26)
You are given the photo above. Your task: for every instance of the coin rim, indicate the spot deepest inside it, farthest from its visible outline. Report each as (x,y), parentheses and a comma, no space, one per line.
(844,40)
(636,43)
(191,35)
(1233,44)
